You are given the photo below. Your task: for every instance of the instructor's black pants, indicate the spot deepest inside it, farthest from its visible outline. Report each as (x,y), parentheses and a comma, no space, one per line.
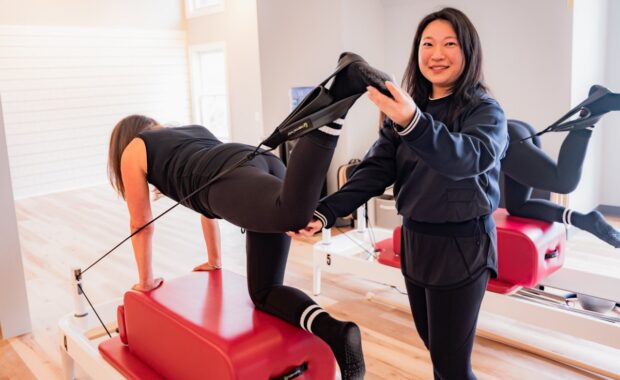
(447,267)
(446,322)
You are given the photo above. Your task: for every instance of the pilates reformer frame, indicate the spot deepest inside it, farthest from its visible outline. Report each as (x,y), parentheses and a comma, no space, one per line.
(80,334)
(527,319)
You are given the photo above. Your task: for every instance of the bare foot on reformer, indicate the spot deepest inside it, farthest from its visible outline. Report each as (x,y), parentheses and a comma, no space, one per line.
(206,267)
(147,287)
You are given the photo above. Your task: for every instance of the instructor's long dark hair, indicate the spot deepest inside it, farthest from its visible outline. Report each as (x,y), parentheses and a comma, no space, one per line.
(469,83)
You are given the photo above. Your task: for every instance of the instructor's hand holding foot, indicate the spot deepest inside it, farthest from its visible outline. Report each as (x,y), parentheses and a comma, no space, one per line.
(310,230)
(401,109)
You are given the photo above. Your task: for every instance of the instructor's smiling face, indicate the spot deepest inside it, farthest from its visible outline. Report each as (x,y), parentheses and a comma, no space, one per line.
(440,57)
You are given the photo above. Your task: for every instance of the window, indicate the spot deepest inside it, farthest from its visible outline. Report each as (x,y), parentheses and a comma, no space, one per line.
(210,93)
(196,8)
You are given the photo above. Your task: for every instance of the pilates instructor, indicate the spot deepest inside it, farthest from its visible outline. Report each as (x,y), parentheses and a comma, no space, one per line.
(441,146)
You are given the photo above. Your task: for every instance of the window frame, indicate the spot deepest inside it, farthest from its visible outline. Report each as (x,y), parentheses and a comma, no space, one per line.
(191,11)
(196,88)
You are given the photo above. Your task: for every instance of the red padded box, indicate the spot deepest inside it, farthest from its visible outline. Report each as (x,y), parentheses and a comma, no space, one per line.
(118,355)
(204,326)
(528,251)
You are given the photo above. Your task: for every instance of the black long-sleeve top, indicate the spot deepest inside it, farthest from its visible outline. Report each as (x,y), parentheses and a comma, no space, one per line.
(182,159)
(441,173)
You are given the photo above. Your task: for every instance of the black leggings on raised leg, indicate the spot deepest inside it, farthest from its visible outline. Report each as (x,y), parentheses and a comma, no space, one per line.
(264,196)
(526,166)
(267,200)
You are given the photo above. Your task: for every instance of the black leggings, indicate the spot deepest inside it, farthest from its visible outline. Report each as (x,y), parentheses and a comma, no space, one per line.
(446,321)
(267,200)
(526,166)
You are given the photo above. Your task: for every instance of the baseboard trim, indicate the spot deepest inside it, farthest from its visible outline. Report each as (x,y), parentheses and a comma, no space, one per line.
(609,210)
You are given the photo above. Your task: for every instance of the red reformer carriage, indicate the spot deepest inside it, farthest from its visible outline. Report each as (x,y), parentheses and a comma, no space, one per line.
(528,251)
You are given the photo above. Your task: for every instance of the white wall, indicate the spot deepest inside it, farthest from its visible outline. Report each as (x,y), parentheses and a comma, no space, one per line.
(296,50)
(237,28)
(65,88)
(14,314)
(610,194)
(70,69)
(363,32)
(588,68)
(134,14)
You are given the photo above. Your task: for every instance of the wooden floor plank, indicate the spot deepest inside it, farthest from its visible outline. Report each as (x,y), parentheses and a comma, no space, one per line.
(11,364)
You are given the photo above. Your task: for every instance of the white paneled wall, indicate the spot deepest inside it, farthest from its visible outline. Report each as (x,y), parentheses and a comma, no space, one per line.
(63,89)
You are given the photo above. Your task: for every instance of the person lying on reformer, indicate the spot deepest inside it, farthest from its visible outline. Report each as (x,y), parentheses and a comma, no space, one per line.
(252,189)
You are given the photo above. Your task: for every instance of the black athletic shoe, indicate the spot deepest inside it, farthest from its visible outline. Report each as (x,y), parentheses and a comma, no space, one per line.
(599,102)
(322,106)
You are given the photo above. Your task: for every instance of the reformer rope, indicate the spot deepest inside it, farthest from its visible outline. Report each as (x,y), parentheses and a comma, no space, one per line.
(92,307)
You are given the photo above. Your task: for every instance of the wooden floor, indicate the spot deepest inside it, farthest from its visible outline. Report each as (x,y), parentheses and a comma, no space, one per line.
(73,229)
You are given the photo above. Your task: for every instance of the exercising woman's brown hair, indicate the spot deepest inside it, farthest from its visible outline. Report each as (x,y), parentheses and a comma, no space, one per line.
(124,131)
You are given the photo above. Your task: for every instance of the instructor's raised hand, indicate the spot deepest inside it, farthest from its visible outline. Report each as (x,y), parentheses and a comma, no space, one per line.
(400,110)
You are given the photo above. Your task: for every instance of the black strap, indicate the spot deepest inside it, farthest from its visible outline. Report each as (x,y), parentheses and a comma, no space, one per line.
(586,119)
(293,373)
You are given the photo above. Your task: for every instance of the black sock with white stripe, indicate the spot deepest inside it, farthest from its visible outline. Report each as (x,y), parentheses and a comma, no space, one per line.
(334,128)
(343,338)
(594,222)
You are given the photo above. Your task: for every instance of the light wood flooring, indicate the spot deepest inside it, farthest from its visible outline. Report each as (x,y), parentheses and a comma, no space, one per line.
(72,229)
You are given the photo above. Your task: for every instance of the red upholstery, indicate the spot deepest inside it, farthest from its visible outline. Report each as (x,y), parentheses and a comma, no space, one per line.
(528,251)
(389,249)
(117,354)
(204,326)
(386,254)
(396,239)
(120,317)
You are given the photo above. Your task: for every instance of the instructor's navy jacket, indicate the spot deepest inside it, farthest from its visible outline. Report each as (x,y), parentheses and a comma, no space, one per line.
(440,173)
(445,178)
